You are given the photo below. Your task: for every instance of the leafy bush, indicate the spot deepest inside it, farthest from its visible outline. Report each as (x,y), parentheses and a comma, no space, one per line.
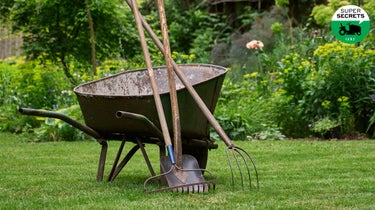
(52,129)
(29,84)
(343,76)
(322,13)
(335,85)
(325,127)
(33,85)
(244,114)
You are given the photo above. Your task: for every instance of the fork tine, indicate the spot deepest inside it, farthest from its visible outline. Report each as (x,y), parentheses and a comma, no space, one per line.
(230,166)
(252,162)
(240,155)
(234,151)
(239,151)
(233,155)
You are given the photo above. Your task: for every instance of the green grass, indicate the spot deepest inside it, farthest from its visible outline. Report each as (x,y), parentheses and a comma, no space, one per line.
(293,175)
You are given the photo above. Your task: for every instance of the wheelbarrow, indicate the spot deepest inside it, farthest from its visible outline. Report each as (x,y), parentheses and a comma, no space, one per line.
(121,107)
(127,107)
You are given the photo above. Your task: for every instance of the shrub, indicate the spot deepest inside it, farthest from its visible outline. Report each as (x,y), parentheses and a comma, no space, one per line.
(343,75)
(335,85)
(244,113)
(52,129)
(30,84)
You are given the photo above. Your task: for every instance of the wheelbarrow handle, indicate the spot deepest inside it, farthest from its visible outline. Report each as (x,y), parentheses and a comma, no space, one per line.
(141,118)
(74,123)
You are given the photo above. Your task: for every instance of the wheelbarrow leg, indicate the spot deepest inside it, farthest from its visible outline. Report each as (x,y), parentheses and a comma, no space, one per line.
(117,169)
(145,156)
(116,160)
(103,155)
(123,162)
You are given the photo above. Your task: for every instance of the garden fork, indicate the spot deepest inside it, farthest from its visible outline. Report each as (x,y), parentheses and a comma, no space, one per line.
(234,153)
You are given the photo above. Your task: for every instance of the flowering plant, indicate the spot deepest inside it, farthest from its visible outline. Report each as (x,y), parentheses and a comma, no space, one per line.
(335,83)
(255,44)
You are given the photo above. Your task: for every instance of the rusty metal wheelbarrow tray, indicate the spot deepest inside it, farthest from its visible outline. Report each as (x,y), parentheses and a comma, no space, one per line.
(131,91)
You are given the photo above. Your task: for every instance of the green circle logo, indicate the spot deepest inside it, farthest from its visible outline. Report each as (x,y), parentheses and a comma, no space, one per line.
(350,24)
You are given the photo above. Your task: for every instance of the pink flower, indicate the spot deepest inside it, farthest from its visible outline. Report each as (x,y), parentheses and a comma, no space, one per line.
(255,44)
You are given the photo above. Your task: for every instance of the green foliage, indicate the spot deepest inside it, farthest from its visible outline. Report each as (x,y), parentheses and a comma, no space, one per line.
(344,77)
(323,13)
(52,129)
(369,7)
(35,85)
(267,27)
(190,31)
(41,86)
(282,3)
(295,70)
(336,85)
(56,30)
(318,80)
(277,28)
(243,113)
(324,126)
(293,86)
(271,134)
(29,84)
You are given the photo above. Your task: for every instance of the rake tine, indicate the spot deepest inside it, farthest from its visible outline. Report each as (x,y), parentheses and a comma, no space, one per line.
(155,178)
(184,188)
(203,186)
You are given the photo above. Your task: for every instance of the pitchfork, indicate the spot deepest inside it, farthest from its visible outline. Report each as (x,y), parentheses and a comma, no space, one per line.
(234,153)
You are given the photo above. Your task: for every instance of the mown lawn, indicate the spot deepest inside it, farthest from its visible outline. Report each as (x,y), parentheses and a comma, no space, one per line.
(293,175)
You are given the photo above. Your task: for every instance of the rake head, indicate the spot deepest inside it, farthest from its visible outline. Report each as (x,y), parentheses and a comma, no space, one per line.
(180,180)
(240,159)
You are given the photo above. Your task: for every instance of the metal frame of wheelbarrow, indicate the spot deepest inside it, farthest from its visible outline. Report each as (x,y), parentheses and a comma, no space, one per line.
(139,142)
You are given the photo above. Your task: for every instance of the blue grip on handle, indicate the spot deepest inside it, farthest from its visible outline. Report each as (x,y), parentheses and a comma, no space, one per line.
(171,154)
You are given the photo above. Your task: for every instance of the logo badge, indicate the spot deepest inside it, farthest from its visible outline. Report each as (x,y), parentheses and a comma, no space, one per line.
(350,24)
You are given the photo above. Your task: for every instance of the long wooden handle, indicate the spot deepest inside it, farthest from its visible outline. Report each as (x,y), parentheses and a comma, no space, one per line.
(172,86)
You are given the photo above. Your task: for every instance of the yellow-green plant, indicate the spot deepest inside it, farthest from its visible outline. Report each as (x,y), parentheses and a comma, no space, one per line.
(342,74)
(322,14)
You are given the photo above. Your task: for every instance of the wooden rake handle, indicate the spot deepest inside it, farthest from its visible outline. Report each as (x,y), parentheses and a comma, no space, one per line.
(172,86)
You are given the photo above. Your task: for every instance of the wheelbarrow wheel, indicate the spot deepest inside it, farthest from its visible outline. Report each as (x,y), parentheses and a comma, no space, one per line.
(200,153)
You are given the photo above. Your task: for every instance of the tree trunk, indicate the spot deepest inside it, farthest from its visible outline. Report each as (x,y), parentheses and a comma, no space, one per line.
(66,71)
(92,37)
